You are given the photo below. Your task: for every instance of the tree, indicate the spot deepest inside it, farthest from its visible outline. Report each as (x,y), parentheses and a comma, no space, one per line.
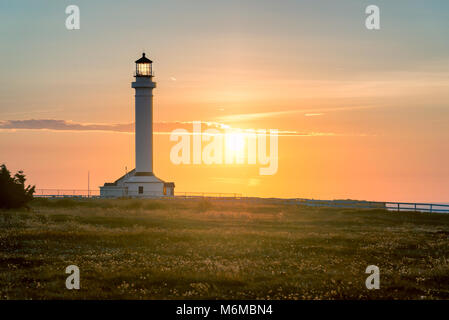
(13,193)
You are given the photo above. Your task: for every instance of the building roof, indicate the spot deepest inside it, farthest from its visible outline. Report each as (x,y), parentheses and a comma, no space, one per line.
(169,184)
(111,184)
(144,59)
(131,173)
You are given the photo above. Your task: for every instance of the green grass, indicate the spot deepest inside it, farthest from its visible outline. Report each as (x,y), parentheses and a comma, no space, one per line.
(148,249)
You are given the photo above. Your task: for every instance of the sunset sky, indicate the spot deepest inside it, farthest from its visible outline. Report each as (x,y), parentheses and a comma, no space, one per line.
(367,112)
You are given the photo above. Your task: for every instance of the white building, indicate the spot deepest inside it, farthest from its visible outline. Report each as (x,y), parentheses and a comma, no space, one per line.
(141,182)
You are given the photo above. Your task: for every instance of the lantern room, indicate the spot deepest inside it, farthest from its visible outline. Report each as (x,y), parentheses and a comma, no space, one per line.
(144,67)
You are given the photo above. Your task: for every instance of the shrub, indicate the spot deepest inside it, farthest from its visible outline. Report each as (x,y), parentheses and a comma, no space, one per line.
(13,193)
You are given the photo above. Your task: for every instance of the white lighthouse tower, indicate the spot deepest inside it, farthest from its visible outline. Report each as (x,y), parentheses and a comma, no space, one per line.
(144,86)
(141,182)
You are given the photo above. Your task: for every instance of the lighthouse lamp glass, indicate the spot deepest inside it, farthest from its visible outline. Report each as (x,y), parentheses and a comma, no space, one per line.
(143,69)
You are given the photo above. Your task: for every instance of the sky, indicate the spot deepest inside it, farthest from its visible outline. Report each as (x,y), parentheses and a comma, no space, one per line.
(362,114)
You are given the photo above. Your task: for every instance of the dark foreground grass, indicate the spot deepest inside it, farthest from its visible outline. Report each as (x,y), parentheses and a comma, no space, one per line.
(147,249)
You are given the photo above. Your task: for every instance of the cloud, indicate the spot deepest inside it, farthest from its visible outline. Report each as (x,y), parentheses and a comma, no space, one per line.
(67,125)
(313,114)
(272,114)
(160,128)
(64,125)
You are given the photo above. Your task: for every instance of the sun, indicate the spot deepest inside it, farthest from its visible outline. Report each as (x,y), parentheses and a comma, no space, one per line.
(235,142)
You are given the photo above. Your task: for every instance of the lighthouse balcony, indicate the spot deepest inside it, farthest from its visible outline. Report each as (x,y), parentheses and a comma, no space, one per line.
(143,82)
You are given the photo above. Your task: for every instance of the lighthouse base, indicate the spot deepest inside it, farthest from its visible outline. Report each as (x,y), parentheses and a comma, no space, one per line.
(136,185)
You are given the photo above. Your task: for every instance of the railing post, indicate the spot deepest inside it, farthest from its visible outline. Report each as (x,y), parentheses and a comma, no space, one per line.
(431,208)
(398,207)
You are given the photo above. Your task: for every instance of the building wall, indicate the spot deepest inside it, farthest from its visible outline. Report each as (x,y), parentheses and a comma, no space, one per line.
(150,189)
(170,191)
(112,192)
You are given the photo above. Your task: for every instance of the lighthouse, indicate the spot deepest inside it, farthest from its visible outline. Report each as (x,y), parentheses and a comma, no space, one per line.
(141,182)
(144,86)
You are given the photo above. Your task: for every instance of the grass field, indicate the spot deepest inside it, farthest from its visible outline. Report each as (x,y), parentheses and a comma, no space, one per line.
(148,249)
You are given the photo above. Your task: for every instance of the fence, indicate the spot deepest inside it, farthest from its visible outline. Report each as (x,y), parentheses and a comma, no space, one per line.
(208,195)
(391,206)
(422,207)
(66,193)
(80,193)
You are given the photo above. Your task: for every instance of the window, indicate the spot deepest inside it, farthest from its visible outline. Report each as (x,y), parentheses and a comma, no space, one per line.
(143,69)
(140,190)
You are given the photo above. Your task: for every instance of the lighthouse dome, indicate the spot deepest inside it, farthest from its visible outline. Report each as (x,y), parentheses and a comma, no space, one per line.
(144,67)
(144,59)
